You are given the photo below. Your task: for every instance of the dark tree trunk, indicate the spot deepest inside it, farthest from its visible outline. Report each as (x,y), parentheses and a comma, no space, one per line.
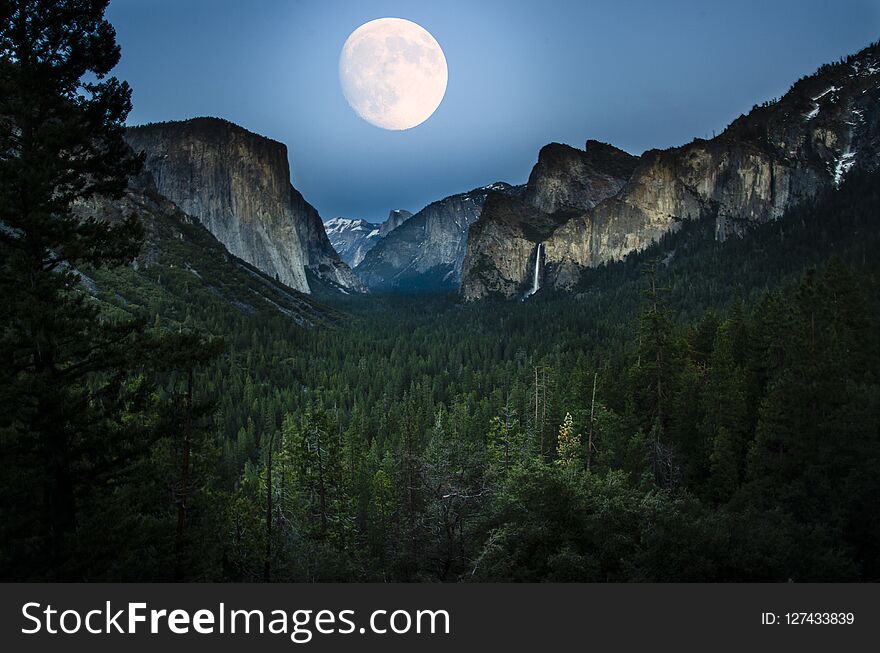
(182,504)
(267,568)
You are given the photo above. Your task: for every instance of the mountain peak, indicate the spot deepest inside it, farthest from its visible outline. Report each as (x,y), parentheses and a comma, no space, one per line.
(587,207)
(396,217)
(566,178)
(237,183)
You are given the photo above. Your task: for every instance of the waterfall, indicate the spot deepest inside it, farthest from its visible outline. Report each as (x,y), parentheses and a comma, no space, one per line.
(536,280)
(536,283)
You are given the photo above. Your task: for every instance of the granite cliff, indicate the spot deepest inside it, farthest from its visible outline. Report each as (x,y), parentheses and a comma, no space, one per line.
(596,205)
(182,263)
(237,184)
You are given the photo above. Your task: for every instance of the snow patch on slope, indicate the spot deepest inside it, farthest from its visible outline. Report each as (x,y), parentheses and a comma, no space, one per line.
(844,163)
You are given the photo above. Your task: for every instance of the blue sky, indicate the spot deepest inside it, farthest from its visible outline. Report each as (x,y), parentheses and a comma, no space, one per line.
(637,74)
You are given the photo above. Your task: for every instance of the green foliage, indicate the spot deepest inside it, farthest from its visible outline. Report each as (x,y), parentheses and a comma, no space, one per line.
(568,447)
(68,406)
(84,420)
(434,404)
(403,442)
(719,402)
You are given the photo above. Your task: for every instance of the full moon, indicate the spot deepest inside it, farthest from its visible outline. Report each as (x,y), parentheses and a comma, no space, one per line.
(393,73)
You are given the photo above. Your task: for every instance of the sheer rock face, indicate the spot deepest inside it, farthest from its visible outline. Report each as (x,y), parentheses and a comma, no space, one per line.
(597,205)
(238,186)
(504,259)
(323,261)
(427,250)
(176,242)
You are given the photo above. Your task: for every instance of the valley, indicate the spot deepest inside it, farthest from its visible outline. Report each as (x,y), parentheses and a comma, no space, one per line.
(631,368)
(460,408)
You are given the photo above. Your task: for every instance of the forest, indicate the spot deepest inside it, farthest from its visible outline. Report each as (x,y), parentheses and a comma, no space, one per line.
(707,415)
(700,411)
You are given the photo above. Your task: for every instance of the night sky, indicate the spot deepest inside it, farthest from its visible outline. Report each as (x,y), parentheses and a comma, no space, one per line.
(636,74)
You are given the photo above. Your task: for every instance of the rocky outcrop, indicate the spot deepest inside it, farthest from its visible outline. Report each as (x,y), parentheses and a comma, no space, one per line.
(507,252)
(587,210)
(566,178)
(426,251)
(238,186)
(396,217)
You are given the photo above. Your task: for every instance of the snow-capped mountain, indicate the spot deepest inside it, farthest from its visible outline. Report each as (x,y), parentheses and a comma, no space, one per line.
(352,238)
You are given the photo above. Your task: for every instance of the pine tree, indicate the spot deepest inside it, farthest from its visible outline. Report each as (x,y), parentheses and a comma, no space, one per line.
(653,379)
(506,442)
(186,418)
(381,512)
(568,447)
(725,423)
(654,364)
(61,143)
(316,457)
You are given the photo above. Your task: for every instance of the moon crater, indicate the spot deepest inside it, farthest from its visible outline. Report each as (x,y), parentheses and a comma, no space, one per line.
(393,73)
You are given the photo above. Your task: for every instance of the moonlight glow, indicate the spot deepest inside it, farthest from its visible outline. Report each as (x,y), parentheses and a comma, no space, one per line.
(393,73)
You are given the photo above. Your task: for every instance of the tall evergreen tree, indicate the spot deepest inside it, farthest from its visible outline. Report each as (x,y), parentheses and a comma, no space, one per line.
(653,382)
(568,446)
(61,143)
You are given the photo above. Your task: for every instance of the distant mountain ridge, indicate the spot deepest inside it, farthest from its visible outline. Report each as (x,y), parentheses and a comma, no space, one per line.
(353,238)
(581,208)
(426,251)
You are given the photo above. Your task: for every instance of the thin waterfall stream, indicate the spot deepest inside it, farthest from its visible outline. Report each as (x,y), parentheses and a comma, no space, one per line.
(536,280)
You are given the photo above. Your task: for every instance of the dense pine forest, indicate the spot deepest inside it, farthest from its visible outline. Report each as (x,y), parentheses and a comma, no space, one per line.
(701,411)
